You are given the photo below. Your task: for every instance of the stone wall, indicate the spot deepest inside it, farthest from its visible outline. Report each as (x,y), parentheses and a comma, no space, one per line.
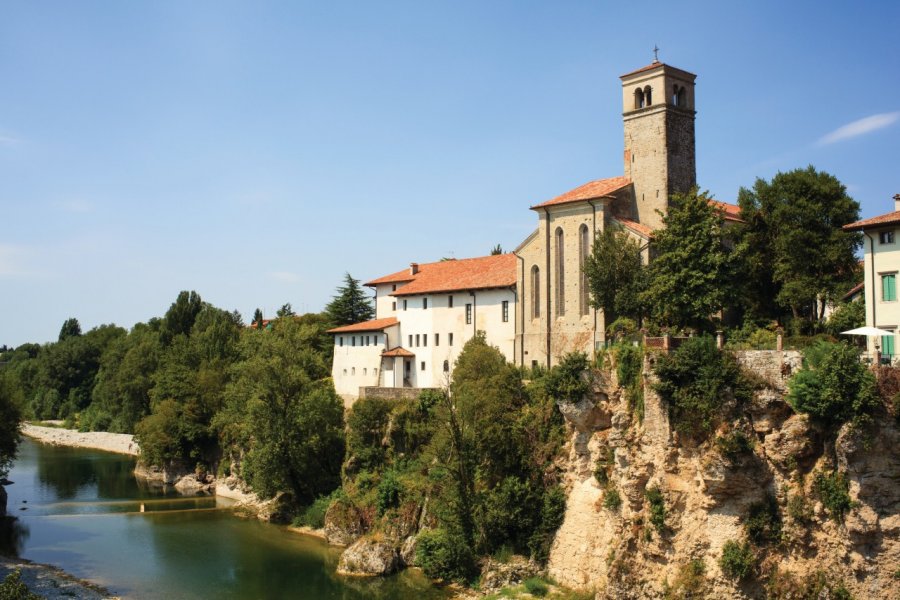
(388,393)
(774,366)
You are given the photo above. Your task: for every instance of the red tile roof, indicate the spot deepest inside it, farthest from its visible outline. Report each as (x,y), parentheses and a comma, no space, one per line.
(856,288)
(730,212)
(650,67)
(891,218)
(588,191)
(398,351)
(485,272)
(638,228)
(373,325)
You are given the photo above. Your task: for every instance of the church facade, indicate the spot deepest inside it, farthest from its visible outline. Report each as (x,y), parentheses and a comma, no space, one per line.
(539,292)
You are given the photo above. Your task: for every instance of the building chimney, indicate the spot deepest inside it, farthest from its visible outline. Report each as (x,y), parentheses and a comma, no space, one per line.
(896,201)
(413,268)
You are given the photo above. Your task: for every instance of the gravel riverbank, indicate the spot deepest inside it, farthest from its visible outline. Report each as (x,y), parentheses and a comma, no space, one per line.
(120,443)
(50,582)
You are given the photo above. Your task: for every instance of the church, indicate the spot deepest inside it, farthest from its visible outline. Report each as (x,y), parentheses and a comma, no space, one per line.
(533,303)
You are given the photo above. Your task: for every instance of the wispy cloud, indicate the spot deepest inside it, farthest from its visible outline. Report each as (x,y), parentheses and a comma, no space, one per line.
(284,276)
(860,127)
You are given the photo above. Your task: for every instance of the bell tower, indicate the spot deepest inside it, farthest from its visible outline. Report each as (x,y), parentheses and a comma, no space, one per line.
(658,114)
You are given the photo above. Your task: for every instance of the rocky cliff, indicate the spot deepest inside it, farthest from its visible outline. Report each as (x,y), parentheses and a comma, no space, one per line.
(649,514)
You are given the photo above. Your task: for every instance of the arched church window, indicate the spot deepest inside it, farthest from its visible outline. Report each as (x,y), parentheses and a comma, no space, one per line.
(560,273)
(639,98)
(584,242)
(648,96)
(675,89)
(535,292)
(682,97)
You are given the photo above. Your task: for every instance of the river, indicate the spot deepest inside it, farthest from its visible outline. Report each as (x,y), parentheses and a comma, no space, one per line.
(84,511)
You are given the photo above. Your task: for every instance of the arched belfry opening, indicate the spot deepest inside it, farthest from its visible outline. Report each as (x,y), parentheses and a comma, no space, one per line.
(638,98)
(679,96)
(648,96)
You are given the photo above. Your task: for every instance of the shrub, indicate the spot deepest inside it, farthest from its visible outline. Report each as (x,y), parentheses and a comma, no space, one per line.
(611,499)
(733,445)
(657,508)
(690,582)
(603,465)
(798,508)
(553,511)
(888,384)
(314,514)
(444,555)
(536,586)
(834,386)
(695,381)
(566,382)
(13,588)
(366,425)
(389,489)
(833,490)
(737,560)
(763,525)
(783,584)
(629,364)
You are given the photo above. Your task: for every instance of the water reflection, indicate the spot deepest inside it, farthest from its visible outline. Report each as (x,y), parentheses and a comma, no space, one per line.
(71,473)
(13,535)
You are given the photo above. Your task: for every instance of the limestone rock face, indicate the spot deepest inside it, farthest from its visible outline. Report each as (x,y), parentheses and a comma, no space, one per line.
(588,414)
(794,442)
(279,509)
(368,557)
(723,478)
(344,524)
(496,575)
(408,551)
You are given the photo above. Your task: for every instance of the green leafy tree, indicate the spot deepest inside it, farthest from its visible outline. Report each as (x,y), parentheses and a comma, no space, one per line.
(181,315)
(282,408)
(849,315)
(692,275)
(10,420)
(498,249)
(616,274)
(70,328)
(286,310)
(258,318)
(795,252)
(350,304)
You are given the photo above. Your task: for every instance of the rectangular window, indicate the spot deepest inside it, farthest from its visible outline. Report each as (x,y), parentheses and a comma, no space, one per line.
(887,346)
(450,338)
(423,365)
(506,311)
(354,340)
(410,341)
(468,314)
(404,305)
(365,371)
(889,287)
(449,301)
(353,370)
(341,340)
(367,340)
(886,237)
(394,306)
(425,303)
(424,339)
(417,340)
(394,288)
(437,339)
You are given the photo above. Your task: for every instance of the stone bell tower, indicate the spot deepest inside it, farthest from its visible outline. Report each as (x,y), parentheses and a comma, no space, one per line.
(658,113)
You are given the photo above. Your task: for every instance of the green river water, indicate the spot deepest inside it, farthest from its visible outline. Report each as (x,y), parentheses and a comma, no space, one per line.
(81,510)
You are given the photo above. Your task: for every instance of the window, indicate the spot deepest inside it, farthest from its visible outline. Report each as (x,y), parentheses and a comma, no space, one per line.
(887,346)
(560,273)
(423,365)
(450,338)
(468,314)
(353,339)
(886,237)
(648,96)
(394,306)
(446,366)
(341,341)
(449,301)
(353,371)
(424,339)
(404,305)
(505,311)
(375,372)
(425,303)
(584,242)
(365,371)
(417,340)
(639,98)
(410,341)
(535,292)
(367,340)
(889,287)
(345,371)
(394,288)
(375,339)
(437,339)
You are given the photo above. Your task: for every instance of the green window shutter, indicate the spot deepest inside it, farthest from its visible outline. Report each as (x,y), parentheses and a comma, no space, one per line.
(887,345)
(889,287)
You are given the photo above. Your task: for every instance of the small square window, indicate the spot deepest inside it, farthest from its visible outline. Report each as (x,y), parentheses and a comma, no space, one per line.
(394,288)
(886,237)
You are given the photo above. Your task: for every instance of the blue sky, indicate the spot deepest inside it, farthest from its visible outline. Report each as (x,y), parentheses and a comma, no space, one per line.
(254,152)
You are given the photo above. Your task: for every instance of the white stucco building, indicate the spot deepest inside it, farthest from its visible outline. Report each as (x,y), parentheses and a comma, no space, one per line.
(424,316)
(881,265)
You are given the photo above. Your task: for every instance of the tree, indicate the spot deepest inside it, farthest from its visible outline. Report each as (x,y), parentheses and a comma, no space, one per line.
(691,276)
(498,249)
(615,274)
(258,319)
(796,254)
(10,420)
(286,310)
(350,304)
(181,314)
(71,328)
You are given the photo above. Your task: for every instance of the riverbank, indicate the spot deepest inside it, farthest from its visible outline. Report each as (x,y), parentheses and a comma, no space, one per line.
(120,443)
(51,582)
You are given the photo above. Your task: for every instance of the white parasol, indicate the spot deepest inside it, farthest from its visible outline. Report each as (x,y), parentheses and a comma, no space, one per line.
(867,331)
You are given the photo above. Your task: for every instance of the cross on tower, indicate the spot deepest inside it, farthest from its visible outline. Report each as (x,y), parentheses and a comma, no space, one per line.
(655,53)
